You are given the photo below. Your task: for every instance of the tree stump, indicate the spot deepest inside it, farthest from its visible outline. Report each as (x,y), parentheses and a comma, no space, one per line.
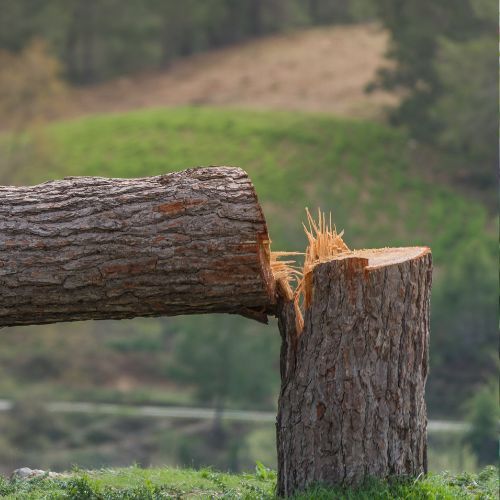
(93,248)
(352,396)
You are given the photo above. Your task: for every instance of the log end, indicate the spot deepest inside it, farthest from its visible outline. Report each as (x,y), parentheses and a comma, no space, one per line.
(375,258)
(381,257)
(353,262)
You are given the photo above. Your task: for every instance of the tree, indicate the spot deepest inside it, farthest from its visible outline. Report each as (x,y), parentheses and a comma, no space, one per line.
(484,416)
(228,361)
(352,400)
(100,39)
(31,91)
(467,109)
(442,83)
(464,321)
(23,20)
(415,27)
(80,46)
(31,88)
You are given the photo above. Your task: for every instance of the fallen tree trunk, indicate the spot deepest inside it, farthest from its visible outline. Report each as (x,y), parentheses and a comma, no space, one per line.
(352,396)
(93,248)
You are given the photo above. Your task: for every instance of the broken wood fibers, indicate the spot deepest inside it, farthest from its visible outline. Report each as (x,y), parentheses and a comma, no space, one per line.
(324,244)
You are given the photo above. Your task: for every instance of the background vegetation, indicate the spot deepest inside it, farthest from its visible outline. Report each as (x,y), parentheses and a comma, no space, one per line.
(104,38)
(423,176)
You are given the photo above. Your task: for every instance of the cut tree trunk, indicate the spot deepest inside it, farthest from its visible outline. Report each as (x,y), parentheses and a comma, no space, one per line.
(352,396)
(93,248)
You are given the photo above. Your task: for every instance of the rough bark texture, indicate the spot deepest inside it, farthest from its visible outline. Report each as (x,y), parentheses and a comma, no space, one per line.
(352,395)
(95,248)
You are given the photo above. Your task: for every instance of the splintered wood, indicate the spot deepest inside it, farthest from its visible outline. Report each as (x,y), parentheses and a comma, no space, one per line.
(324,244)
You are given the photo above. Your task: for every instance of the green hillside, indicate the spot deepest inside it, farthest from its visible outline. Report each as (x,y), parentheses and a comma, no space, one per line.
(360,171)
(363,172)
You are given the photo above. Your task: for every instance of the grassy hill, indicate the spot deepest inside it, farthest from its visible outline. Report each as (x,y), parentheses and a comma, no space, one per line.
(141,484)
(363,172)
(359,170)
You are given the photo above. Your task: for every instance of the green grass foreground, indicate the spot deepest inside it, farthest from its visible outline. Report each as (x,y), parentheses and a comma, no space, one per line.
(136,483)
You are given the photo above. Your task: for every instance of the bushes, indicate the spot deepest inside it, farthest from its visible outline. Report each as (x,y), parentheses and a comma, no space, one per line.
(484,415)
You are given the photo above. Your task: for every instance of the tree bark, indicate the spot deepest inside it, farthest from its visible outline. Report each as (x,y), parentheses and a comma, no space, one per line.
(94,248)
(352,395)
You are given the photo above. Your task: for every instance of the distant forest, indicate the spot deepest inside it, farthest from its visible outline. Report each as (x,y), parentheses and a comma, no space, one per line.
(446,58)
(98,39)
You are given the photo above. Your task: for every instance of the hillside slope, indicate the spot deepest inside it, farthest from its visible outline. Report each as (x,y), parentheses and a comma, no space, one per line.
(322,69)
(359,170)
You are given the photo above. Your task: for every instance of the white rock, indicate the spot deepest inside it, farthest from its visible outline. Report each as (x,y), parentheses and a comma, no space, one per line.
(27,473)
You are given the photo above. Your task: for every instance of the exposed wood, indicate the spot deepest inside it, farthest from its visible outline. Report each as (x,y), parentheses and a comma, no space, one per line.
(352,396)
(93,248)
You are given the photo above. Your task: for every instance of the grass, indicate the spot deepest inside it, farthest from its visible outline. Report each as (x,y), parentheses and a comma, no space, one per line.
(137,483)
